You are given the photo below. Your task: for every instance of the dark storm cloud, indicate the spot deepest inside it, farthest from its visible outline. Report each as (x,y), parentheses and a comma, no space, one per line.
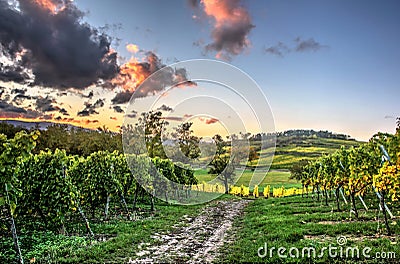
(45,104)
(89,96)
(193,3)
(133,114)
(12,73)
(118,109)
(63,111)
(232,25)
(20,98)
(60,50)
(4,106)
(99,103)
(8,110)
(90,109)
(85,112)
(122,97)
(18,91)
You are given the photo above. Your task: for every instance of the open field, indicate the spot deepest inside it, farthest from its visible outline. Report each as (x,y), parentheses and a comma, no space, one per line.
(274,178)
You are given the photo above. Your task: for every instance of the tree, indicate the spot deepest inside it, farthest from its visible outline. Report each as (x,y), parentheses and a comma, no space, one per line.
(188,143)
(153,125)
(222,164)
(297,172)
(9,130)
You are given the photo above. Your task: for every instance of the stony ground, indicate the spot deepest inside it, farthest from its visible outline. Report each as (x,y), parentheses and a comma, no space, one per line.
(193,240)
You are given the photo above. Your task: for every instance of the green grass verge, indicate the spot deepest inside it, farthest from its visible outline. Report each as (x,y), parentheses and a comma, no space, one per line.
(304,222)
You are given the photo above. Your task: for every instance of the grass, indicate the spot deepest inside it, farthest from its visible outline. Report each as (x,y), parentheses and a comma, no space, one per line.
(129,235)
(274,178)
(122,237)
(279,222)
(304,222)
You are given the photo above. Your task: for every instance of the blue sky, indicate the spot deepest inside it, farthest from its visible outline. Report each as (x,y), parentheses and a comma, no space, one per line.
(349,86)
(348,83)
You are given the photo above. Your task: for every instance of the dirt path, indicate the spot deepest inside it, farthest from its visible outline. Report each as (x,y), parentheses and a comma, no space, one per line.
(194,240)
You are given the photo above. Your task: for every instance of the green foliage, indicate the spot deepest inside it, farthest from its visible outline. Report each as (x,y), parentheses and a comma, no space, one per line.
(78,141)
(50,247)
(100,175)
(12,151)
(188,143)
(45,187)
(9,130)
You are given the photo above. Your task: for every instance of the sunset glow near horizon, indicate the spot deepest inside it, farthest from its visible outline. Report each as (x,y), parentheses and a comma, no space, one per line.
(329,65)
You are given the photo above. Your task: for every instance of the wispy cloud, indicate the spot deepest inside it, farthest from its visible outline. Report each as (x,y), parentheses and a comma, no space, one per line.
(279,49)
(165,108)
(300,45)
(308,45)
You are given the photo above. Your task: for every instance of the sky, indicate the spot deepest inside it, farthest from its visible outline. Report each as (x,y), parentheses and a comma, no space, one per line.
(322,65)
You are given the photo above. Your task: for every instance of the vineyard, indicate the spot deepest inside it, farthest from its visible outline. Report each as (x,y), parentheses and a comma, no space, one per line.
(51,189)
(83,202)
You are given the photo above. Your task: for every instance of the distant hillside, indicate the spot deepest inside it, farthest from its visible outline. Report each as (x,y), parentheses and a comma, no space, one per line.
(300,133)
(32,125)
(295,145)
(310,148)
(291,146)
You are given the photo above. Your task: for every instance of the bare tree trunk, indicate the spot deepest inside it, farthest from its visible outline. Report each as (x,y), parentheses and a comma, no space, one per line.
(337,198)
(14,231)
(152,203)
(313,190)
(89,230)
(326,196)
(15,240)
(135,198)
(42,216)
(226,185)
(382,201)
(107,206)
(125,205)
(353,202)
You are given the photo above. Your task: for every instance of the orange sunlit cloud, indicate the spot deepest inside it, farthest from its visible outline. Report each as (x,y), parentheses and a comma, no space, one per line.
(132,48)
(132,73)
(208,121)
(49,5)
(232,24)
